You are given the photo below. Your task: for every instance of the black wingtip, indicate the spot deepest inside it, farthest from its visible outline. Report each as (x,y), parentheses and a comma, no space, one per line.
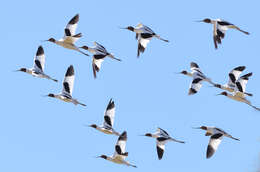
(193,64)
(210,151)
(111,104)
(70,71)
(40,51)
(240,68)
(123,136)
(74,20)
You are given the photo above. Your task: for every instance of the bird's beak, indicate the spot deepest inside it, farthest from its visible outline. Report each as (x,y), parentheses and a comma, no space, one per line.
(86,125)
(177,72)
(122,27)
(195,127)
(141,135)
(16,70)
(218,94)
(198,20)
(44,40)
(44,95)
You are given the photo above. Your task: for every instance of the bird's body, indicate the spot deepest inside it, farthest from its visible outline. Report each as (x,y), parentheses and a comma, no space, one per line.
(217,135)
(68,84)
(70,37)
(219,29)
(162,137)
(108,123)
(198,78)
(144,35)
(99,53)
(120,153)
(38,66)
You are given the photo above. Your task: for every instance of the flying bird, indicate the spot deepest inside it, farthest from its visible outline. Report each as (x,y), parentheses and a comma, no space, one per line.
(120,153)
(217,135)
(107,126)
(68,84)
(70,36)
(162,137)
(99,53)
(233,78)
(198,78)
(239,93)
(38,66)
(144,35)
(219,29)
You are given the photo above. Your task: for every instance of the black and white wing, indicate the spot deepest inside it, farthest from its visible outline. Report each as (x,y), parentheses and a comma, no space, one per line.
(234,74)
(39,60)
(195,85)
(160,146)
(214,142)
(96,63)
(241,83)
(194,67)
(70,30)
(143,40)
(68,82)
(109,114)
(100,48)
(162,132)
(120,147)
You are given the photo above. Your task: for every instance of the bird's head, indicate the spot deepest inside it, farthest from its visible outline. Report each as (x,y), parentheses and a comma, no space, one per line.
(184,72)
(22,70)
(201,127)
(51,95)
(148,135)
(224,93)
(93,126)
(51,40)
(206,20)
(84,47)
(102,156)
(131,28)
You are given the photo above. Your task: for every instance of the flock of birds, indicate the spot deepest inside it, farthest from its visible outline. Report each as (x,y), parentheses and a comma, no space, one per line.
(234,89)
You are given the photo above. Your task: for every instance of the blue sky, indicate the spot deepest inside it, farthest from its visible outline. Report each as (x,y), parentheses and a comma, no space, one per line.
(43,134)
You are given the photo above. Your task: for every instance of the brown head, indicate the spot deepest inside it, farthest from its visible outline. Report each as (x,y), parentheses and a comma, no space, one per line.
(131,28)
(206,20)
(22,70)
(84,47)
(51,95)
(51,40)
(93,126)
(148,135)
(184,72)
(224,93)
(103,156)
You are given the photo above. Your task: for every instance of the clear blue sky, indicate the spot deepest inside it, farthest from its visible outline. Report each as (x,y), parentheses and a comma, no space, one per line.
(46,135)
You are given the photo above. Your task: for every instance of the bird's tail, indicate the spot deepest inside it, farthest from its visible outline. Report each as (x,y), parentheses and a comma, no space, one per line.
(113,57)
(177,140)
(247,33)
(158,36)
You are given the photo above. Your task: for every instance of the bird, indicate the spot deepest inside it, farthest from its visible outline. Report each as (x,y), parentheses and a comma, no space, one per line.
(120,153)
(233,77)
(107,126)
(144,35)
(70,37)
(38,66)
(99,53)
(68,84)
(219,29)
(198,78)
(216,136)
(162,137)
(239,92)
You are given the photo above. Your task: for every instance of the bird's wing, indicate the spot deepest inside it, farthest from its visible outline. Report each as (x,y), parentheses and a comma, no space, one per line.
(39,60)
(68,82)
(142,44)
(148,30)
(70,35)
(234,74)
(96,63)
(194,67)
(214,142)
(195,85)
(162,132)
(160,146)
(110,114)
(242,81)
(100,48)
(71,27)
(120,146)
